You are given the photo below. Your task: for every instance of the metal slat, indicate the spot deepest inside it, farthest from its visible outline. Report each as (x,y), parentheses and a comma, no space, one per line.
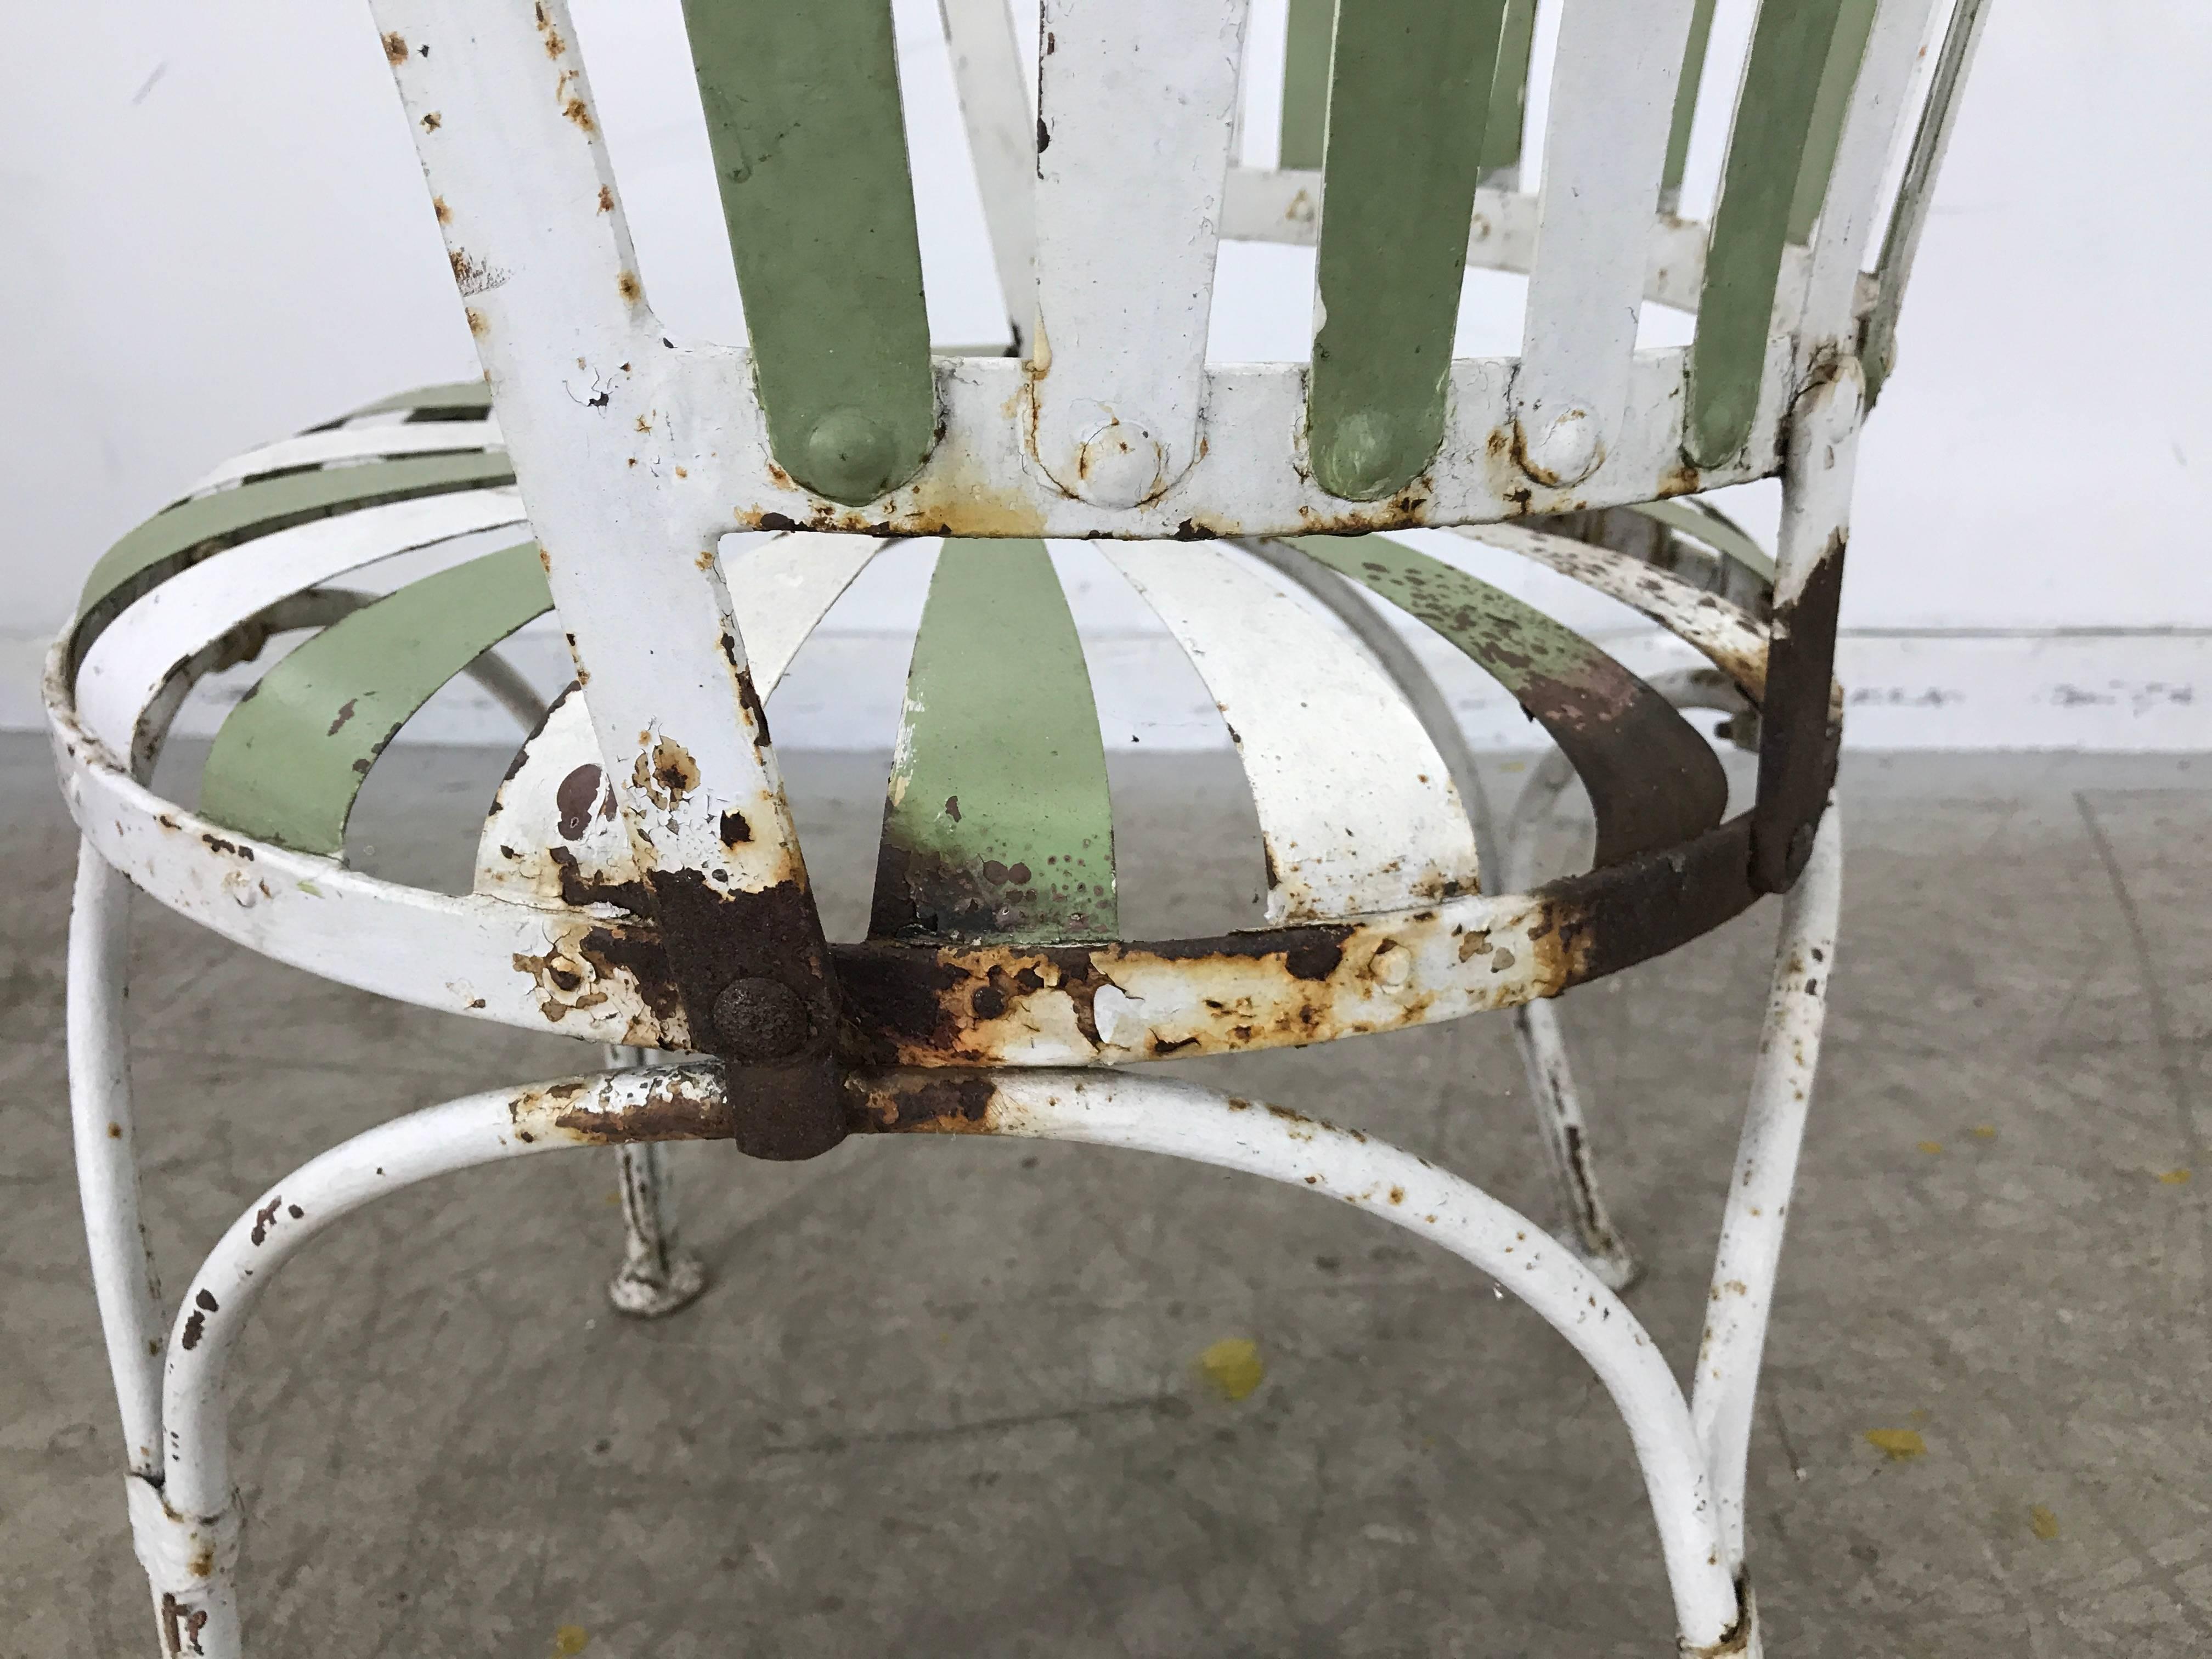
(1846,53)
(781,587)
(1901,243)
(452,397)
(1767,147)
(1605,148)
(1136,105)
(1356,807)
(1848,208)
(803,116)
(1685,105)
(1653,781)
(289,759)
(165,543)
(1312,27)
(988,73)
(997,823)
(1509,96)
(1409,90)
(349,446)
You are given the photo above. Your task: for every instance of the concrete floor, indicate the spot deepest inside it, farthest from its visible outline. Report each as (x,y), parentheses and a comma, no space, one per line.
(943,1397)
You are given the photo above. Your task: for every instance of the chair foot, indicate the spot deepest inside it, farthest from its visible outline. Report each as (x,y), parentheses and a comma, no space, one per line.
(658,1274)
(642,1292)
(1616,1266)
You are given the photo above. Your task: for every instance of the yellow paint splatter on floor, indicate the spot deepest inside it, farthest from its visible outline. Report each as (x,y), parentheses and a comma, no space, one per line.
(1900,1443)
(570,1640)
(1931,1147)
(2174,1177)
(2042,1523)
(1986,1132)
(1232,1366)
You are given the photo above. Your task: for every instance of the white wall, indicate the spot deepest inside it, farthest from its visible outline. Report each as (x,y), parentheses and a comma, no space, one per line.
(219,235)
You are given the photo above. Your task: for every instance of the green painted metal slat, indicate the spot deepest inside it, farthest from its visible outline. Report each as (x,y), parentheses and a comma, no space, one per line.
(166,541)
(1723,535)
(1788,52)
(1854,22)
(997,823)
(1305,82)
(291,757)
(1685,104)
(1509,92)
(1409,88)
(453,396)
(1653,783)
(803,116)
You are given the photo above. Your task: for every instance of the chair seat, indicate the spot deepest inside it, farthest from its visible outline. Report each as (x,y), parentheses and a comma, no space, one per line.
(1378,915)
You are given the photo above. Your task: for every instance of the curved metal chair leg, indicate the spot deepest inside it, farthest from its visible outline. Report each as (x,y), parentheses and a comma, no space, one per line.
(1726,1383)
(658,1275)
(193,1516)
(1559,1118)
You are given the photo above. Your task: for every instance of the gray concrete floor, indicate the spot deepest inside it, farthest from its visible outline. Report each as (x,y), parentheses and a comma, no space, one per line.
(943,1396)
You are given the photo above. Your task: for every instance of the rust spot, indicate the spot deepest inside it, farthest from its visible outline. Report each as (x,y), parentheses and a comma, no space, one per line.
(471,275)
(674,770)
(476,323)
(264,1219)
(577,794)
(115,1132)
(944,1102)
(195,1328)
(574,109)
(432,122)
(395,49)
(555,46)
(345,713)
(689,1104)
(216,843)
(438,206)
(627,285)
(735,831)
(607,198)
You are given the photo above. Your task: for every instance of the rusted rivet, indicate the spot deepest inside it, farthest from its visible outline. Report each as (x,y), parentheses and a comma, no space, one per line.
(1355,462)
(760,1019)
(1566,451)
(849,456)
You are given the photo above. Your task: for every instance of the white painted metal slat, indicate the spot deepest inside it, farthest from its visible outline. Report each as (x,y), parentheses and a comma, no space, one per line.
(781,586)
(123,671)
(344,444)
(601,414)
(988,70)
(1356,807)
(1852,203)
(1605,148)
(1136,105)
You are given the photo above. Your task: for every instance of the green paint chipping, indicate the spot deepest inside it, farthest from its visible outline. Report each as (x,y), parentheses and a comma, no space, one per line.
(290,758)
(1766,147)
(1508,94)
(997,823)
(192,530)
(1407,97)
(1653,780)
(1305,82)
(1854,22)
(803,116)
(1685,104)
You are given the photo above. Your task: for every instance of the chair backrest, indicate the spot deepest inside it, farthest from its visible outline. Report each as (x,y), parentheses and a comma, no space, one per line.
(637,452)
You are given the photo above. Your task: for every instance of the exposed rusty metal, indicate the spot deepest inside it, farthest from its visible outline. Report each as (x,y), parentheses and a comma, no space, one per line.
(1799,734)
(715,937)
(683,1103)
(947,1102)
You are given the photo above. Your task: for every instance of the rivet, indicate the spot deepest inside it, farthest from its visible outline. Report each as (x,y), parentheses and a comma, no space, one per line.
(1119,465)
(1355,462)
(760,1019)
(849,456)
(1566,451)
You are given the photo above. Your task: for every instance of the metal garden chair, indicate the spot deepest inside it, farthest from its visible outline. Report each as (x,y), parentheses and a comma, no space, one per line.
(639,882)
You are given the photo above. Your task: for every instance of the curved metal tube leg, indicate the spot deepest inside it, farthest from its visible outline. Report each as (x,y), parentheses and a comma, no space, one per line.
(658,1274)
(1157,1114)
(1535,1026)
(123,1277)
(187,1528)
(1726,1384)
